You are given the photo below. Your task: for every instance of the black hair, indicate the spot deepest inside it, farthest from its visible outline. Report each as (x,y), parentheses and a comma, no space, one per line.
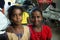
(10,11)
(2,2)
(9,3)
(36,9)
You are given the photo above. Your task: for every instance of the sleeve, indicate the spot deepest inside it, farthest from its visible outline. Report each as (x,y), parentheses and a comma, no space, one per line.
(49,34)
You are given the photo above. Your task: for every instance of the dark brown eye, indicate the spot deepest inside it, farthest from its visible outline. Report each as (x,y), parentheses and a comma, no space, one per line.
(13,15)
(38,16)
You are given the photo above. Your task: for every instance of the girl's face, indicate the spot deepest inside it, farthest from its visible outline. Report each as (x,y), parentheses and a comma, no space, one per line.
(17,16)
(36,18)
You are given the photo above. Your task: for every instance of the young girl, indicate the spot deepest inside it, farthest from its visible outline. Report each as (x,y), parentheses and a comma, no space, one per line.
(39,31)
(16,31)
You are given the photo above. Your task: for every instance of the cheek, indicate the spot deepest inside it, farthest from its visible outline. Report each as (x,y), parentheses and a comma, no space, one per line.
(20,18)
(40,20)
(13,18)
(32,20)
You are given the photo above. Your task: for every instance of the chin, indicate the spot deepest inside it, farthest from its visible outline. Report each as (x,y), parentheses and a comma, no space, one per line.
(36,24)
(18,23)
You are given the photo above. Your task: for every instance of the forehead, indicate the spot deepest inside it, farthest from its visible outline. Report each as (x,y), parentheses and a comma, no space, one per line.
(36,13)
(17,11)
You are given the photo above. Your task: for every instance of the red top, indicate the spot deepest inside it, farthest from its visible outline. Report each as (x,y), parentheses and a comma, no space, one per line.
(43,35)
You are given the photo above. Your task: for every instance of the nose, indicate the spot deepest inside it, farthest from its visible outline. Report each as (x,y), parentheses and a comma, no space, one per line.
(35,19)
(18,17)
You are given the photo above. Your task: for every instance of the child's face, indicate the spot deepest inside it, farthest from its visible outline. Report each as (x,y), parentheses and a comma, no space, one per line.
(17,16)
(36,18)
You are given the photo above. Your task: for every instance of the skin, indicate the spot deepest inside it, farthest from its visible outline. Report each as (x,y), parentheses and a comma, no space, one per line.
(36,20)
(3,10)
(17,18)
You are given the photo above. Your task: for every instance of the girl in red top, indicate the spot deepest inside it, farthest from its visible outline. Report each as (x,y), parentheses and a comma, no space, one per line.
(38,31)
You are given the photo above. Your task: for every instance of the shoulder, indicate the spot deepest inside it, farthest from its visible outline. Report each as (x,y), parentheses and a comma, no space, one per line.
(46,27)
(26,31)
(26,27)
(47,30)
(12,36)
(9,29)
(29,25)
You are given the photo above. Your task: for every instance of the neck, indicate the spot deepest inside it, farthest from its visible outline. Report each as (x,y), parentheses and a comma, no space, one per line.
(17,26)
(37,26)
